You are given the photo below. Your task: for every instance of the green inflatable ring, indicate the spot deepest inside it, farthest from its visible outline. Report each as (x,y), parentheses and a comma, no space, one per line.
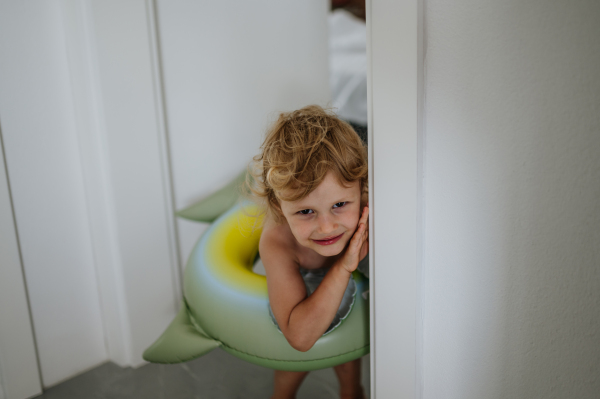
(226,305)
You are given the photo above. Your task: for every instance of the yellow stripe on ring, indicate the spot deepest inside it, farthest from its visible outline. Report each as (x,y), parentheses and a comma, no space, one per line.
(231,251)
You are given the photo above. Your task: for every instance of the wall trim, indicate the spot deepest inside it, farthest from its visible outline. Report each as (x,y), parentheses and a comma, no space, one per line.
(373,344)
(395,82)
(163,139)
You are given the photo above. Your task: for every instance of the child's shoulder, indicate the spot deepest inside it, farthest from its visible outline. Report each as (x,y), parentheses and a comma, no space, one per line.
(278,245)
(277,239)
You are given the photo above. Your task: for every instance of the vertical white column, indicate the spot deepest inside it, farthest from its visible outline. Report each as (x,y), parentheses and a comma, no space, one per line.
(394,85)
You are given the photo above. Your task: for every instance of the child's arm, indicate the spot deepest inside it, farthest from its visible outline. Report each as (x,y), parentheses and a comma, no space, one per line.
(303,319)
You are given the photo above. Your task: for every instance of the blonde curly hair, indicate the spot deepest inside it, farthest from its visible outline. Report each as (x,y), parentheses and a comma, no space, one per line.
(298,151)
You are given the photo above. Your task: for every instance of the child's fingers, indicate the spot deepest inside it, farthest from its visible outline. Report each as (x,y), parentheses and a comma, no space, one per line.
(360,236)
(357,239)
(364,219)
(365,215)
(355,248)
(365,229)
(359,233)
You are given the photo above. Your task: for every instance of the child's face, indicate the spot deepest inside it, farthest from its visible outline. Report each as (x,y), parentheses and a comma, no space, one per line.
(326,219)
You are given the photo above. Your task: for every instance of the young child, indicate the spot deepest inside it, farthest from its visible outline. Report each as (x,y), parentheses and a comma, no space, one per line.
(312,179)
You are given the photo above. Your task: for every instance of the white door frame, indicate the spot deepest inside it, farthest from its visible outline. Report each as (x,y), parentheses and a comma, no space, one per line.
(395,79)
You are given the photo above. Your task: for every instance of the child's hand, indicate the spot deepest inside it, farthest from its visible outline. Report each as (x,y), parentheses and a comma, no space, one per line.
(359,244)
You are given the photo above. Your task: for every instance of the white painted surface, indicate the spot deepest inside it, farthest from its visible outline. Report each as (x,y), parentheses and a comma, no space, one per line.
(512,172)
(87,101)
(133,133)
(394,126)
(37,116)
(19,375)
(228,70)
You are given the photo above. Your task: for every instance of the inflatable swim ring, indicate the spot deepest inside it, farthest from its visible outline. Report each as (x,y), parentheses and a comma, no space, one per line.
(226,305)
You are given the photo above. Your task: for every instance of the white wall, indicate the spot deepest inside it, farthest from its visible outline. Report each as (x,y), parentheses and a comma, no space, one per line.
(43,163)
(19,376)
(81,118)
(227,71)
(512,210)
(124,67)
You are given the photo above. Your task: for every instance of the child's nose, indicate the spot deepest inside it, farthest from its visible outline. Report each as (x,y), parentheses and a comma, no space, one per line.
(327,224)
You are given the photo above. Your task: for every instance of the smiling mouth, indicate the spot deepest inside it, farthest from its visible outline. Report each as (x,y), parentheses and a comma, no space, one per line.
(329,241)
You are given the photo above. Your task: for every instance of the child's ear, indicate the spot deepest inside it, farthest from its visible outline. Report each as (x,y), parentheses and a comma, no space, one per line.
(364,200)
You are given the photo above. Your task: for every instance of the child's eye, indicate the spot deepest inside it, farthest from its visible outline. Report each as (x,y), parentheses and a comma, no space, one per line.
(305,211)
(339,204)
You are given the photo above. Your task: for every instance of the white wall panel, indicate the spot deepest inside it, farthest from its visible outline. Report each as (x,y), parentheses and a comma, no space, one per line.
(512,188)
(19,374)
(37,116)
(228,70)
(132,130)
(87,101)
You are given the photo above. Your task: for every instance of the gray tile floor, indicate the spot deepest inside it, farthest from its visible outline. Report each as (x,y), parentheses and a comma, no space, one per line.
(217,375)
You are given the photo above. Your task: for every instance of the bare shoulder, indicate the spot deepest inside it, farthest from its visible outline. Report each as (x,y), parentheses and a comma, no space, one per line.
(279,255)
(277,242)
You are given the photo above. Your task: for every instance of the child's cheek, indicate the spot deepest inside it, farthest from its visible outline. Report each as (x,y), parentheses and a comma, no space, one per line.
(302,233)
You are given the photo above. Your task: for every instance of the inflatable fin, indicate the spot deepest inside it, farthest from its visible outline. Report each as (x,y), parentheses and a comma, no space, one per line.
(211,207)
(181,341)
